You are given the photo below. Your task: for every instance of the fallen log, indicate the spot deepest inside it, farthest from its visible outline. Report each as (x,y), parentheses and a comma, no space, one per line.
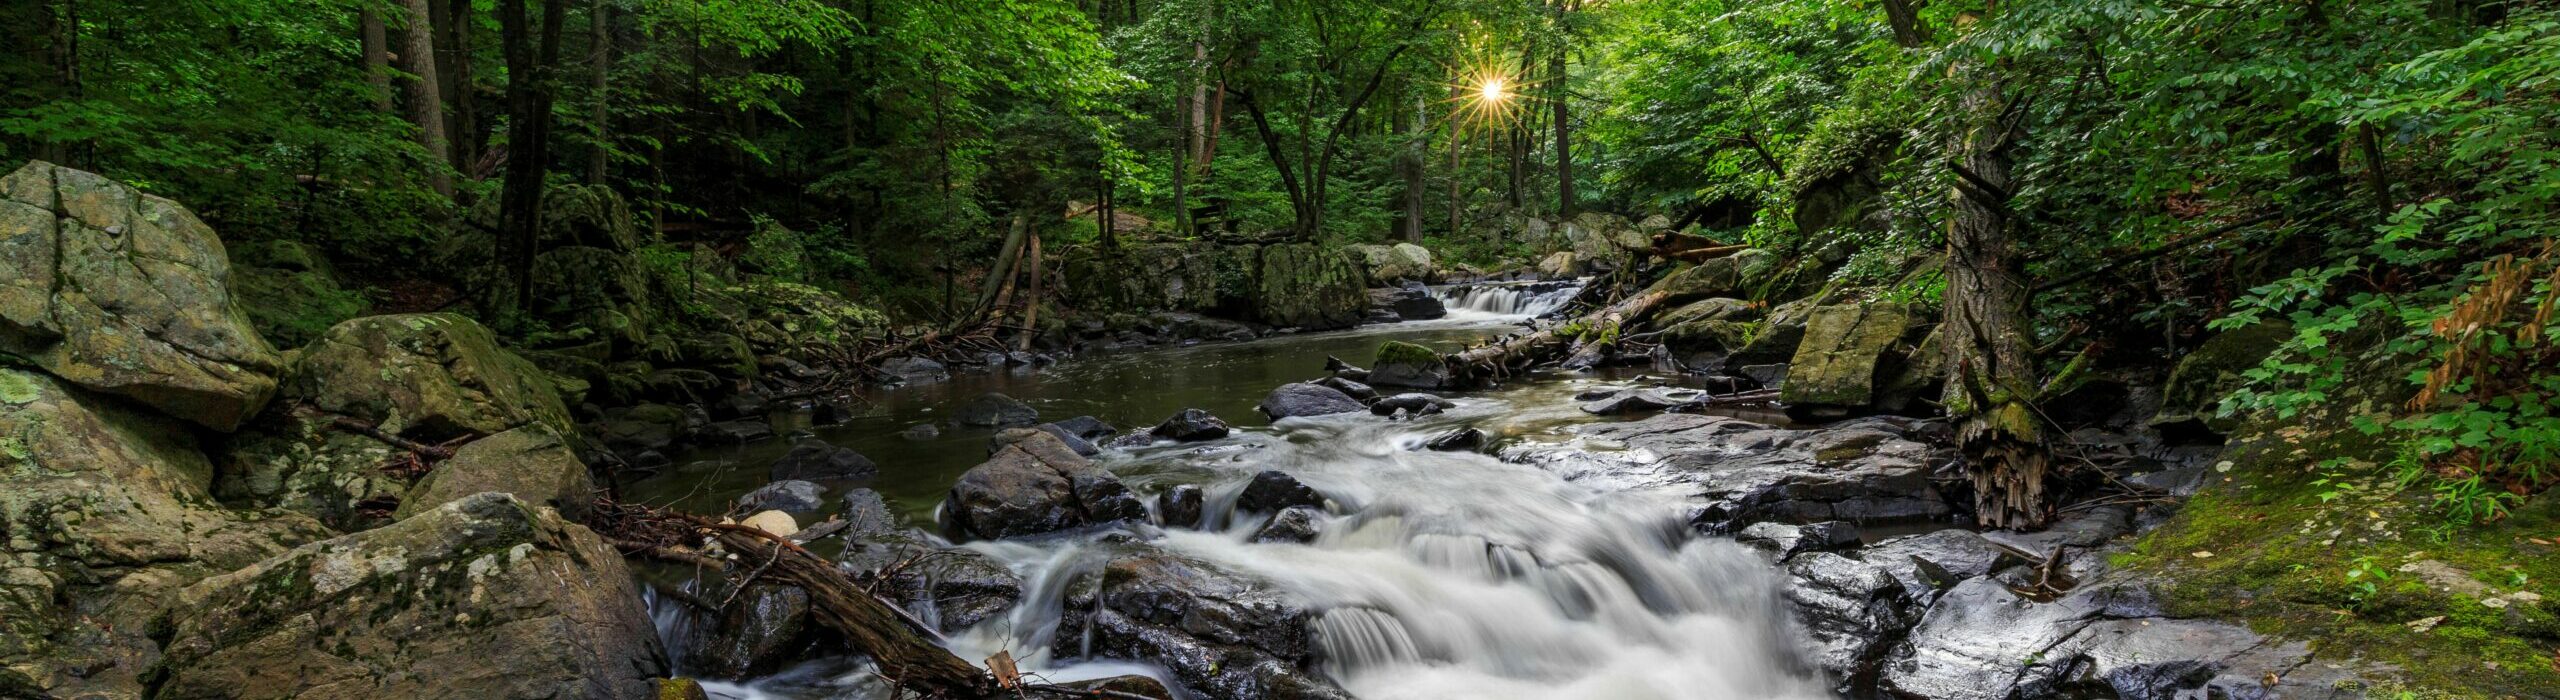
(1478,366)
(906,653)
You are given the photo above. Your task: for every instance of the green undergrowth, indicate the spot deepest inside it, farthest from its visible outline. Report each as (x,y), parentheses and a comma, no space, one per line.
(2305,534)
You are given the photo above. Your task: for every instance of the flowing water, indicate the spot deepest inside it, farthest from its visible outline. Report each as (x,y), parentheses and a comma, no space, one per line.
(1498,301)
(1440,574)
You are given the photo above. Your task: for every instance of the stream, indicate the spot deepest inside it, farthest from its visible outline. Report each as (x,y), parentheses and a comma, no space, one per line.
(1438,574)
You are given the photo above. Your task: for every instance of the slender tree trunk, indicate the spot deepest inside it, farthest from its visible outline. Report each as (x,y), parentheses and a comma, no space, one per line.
(458,84)
(1216,127)
(600,114)
(529,95)
(377,55)
(2377,180)
(1417,142)
(1031,298)
(1993,385)
(426,95)
(1457,195)
(1556,75)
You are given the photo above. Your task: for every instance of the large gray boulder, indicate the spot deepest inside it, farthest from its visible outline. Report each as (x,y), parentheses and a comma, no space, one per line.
(426,376)
(1391,265)
(1036,485)
(127,294)
(105,510)
(482,597)
(1867,471)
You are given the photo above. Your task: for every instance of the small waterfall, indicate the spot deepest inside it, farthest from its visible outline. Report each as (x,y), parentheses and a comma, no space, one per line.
(1505,299)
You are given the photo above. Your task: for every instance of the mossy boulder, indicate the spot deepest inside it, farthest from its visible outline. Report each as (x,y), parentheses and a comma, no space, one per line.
(531,463)
(2193,395)
(301,463)
(1306,286)
(1837,364)
(1729,276)
(1403,364)
(1392,265)
(425,376)
(1153,277)
(127,294)
(484,597)
(290,293)
(1715,309)
(104,510)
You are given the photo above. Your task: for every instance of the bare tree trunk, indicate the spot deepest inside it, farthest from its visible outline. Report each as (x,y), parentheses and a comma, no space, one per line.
(530,71)
(1031,297)
(2377,180)
(1993,385)
(426,96)
(463,125)
(1457,193)
(377,55)
(1908,31)
(1556,75)
(600,54)
(1418,141)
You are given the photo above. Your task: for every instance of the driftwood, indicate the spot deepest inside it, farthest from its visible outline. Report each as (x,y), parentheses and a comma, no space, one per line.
(1480,365)
(906,652)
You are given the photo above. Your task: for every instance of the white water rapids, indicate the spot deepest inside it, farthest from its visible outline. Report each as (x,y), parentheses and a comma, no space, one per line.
(1503,301)
(1442,574)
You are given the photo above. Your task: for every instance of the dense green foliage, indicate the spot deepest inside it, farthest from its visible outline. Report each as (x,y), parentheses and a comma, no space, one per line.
(2378,174)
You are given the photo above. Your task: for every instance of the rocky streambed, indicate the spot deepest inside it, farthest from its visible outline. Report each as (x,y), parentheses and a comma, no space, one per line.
(1300,533)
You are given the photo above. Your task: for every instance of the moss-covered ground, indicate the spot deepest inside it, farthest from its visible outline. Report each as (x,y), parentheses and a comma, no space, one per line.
(2305,534)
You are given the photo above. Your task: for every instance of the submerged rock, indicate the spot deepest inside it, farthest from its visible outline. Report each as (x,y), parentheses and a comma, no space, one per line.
(816,460)
(990,410)
(1180,506)
(1460,440)
(471,600)
(1296,524)
(127,294)
(1037,485)
(1306,399)
(797,497)
(762,629)
(1412,404)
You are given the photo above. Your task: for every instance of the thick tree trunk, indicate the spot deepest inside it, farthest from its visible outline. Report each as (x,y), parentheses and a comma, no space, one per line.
(426,95)
(1993,386)
(377,55)
(1908,31)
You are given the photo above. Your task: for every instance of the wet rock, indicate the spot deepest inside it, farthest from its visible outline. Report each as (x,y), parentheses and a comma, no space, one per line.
(1305,399)
(1850,613)
(1460,440)
(1787,541)
(1628,402)
(107,510)
(1273,491)
(914,370)
(679,689)
(1983,642)
(1729,276)
(492,617)
(990,410)
(736,432)
(787,496)
(1836,365)
(950,588)
(1356,390)
(1867,471)
(1222,635)
(1411,404)
(763,629)
(2166,659)
(1087,427)
(1296,524)
(1037,485)
(1402,364)
(1338,368)
(1306,286)
(1180,506)
(865,512)
(531,463)
(921,432)
(1140,686)
(811,459)
(644,427)
(127,294)
(1926,564)
(1191,425)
